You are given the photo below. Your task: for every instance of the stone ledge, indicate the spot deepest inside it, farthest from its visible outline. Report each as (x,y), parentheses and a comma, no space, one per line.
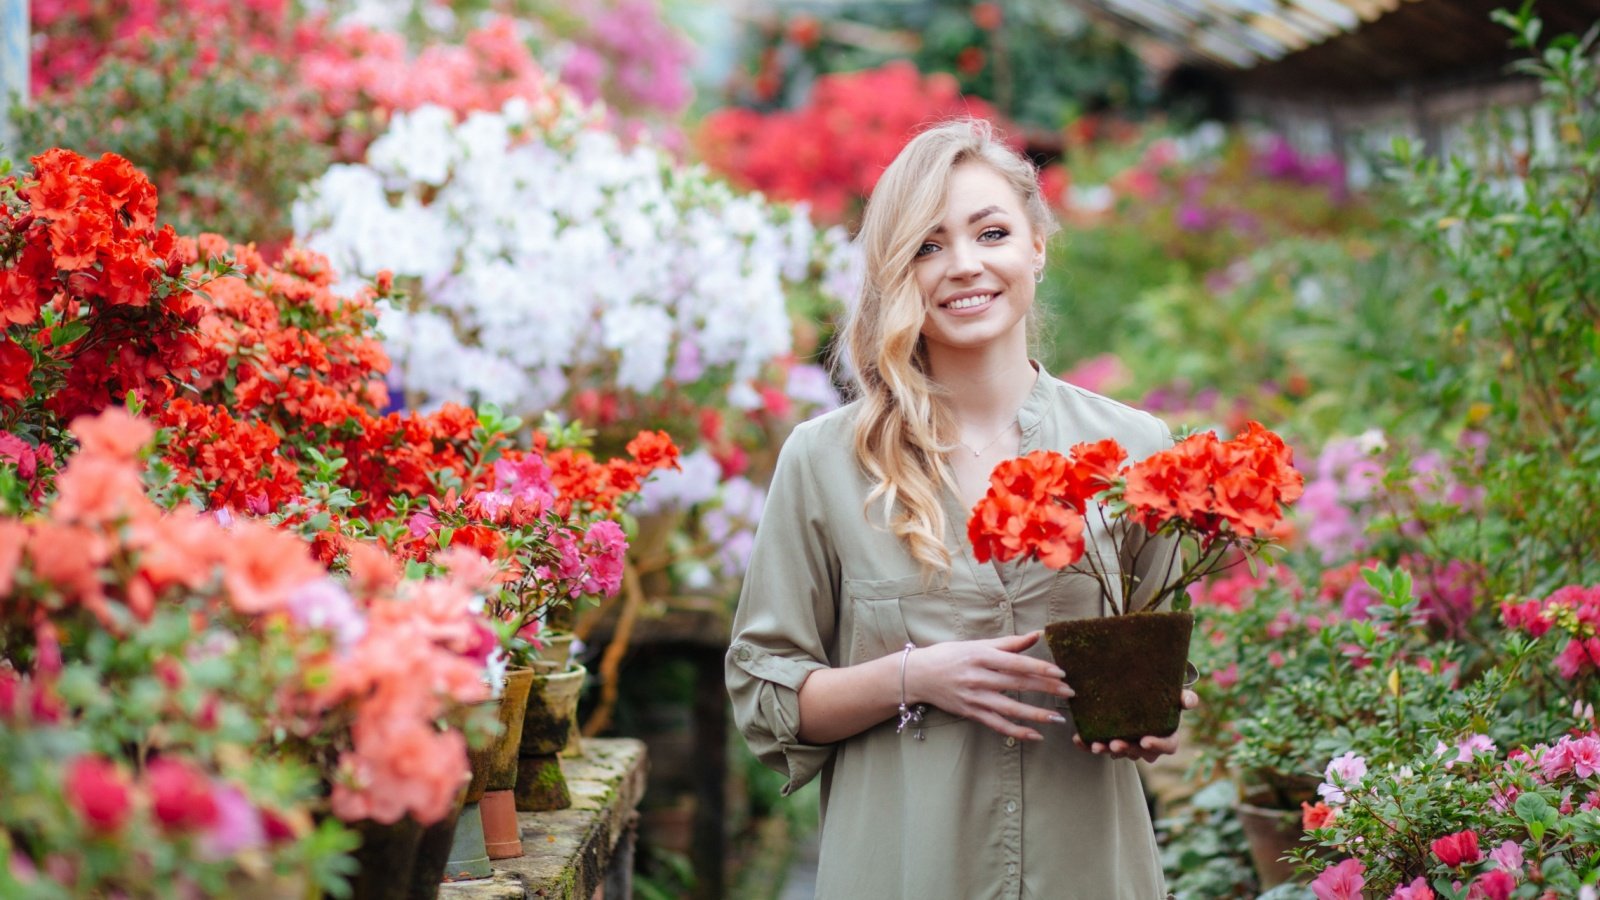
(567,853)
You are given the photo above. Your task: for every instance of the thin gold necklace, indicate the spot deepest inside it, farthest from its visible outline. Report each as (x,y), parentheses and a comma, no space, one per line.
(1003,432)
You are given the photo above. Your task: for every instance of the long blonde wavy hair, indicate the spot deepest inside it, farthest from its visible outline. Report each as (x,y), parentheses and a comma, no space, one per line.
(904,427)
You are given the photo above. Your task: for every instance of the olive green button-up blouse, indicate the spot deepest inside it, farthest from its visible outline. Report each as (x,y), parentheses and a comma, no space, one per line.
(965,812)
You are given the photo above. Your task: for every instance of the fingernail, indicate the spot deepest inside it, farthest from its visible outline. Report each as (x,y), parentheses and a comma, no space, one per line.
(1035,736)
(1057,673)
(1068,692)
(1058,718)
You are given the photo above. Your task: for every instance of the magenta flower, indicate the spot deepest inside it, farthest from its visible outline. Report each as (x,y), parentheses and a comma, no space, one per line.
(1341,882)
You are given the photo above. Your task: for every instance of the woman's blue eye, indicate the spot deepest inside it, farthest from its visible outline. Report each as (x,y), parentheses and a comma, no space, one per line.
(997,233)
(925,249)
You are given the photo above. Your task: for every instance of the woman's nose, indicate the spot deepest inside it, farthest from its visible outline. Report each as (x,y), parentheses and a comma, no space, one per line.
(963,260)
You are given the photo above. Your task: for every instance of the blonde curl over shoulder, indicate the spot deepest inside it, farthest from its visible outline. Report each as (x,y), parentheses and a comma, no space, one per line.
(904,428)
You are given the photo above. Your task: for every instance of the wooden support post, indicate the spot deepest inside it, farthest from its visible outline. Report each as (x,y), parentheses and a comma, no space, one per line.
(709,849)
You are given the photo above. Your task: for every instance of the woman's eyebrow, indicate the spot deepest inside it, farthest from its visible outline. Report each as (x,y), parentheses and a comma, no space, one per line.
(986,211)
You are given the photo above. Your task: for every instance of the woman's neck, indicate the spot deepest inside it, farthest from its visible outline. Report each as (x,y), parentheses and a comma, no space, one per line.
(984,390)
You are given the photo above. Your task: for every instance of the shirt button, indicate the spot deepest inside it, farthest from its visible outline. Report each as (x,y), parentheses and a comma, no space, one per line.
(1004,606)
(1011,806)
(742,654)
(1011,868)
(1011,742)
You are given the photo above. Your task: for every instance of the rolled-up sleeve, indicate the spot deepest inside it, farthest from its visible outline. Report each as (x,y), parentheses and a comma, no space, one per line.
(786,619)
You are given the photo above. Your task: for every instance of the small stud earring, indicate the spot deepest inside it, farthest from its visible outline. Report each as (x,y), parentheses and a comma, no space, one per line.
(1038,275)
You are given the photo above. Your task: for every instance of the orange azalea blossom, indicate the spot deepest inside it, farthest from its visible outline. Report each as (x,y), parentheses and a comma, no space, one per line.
(1242,484)
(1319,816)
(1223,493)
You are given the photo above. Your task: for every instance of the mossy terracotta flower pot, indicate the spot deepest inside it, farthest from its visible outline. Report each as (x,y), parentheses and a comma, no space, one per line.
(552,704)
(1127,672)
(499,764)
(556,647)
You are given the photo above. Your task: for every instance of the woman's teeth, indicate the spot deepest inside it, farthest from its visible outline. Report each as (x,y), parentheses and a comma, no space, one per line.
(969,302)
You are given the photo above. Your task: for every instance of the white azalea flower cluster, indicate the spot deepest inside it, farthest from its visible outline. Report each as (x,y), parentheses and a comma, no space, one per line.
(544,257)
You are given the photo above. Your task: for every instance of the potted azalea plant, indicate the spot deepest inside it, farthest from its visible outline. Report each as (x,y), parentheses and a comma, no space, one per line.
(1193,509)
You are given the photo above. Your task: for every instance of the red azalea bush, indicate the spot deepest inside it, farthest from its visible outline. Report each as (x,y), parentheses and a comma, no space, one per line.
(277,622)
(1221,495)
(831,151)
(95,299)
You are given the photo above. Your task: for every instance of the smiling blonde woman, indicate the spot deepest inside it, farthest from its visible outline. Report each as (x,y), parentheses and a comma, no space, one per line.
(870,646)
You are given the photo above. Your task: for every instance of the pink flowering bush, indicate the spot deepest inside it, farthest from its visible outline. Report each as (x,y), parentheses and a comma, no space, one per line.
(176,674)
(1523,824)
(231,107)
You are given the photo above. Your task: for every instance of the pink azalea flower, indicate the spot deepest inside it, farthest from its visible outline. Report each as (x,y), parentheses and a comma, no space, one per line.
(238,826)
(1416,890)
(1341,882)
(1343,771)
(607,546)
(1507,856)
(1585,754)
(1466,748)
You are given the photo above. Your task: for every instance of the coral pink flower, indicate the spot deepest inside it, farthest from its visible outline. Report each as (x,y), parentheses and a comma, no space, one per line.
(1458,849)
(1341,882)
(1319,816)
(265,566)
(13,535)
(114,433)
(98,793)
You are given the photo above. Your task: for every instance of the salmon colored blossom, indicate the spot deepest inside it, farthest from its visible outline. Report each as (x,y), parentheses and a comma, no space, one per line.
(264,566)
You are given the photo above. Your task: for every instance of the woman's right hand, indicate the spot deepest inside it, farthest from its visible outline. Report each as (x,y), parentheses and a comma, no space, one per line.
(970,678)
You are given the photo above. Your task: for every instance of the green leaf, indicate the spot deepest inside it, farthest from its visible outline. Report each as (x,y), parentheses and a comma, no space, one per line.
(68,332)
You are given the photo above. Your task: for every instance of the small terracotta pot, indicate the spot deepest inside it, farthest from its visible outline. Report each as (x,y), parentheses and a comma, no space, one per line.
(502,836)
(1271,834)
(1127,672)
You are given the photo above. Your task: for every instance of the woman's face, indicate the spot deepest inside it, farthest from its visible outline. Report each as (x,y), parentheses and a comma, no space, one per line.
(975,269)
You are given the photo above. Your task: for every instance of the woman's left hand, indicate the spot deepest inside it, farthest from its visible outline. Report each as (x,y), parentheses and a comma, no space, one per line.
(1149,748)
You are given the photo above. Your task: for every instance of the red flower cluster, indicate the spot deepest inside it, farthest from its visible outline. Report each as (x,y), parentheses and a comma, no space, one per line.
(82,244)
(585,485)
(1224,494)
(1240,485)
(1575,610)
(1458,849)
(831,151)
(1036,503)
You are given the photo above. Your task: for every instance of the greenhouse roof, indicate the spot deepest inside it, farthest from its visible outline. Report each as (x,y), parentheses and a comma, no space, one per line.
(1339,44)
